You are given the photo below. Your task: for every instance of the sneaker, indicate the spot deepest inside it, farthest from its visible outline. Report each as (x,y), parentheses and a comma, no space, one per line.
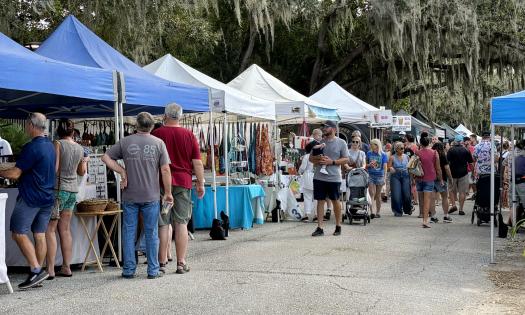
(34,279)
(128,276)
(461,212)
(158,275)
(372,216)
(452,209)
(327,214)
(305,219)
(182,268)
(447,220)
(434,220)
(318,232)
(323,171)
(337,231)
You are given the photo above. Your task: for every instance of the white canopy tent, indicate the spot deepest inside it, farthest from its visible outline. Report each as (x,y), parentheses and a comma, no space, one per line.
(463,130)
(350,108)
(224,97)
(290,105)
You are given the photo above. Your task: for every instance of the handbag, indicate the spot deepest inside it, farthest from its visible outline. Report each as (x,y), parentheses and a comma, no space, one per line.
(55,213)
(414,166)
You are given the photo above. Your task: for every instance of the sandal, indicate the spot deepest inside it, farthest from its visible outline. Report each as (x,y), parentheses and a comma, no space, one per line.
(182,268)
(426,226)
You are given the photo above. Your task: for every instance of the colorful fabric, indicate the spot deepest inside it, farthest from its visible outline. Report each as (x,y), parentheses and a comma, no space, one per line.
(266,153)
(482,155)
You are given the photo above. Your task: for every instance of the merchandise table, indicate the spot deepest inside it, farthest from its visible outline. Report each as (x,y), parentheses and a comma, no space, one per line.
(14,257)
(246,203)
(99,216)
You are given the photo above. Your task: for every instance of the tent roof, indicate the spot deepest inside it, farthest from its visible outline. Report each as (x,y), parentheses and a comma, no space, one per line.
(224,97)
(74,43)
(349,107)
(289,103)
(464,130)
(508,109)
(30,82)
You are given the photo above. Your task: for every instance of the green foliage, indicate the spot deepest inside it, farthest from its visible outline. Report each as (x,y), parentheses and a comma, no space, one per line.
(15,135)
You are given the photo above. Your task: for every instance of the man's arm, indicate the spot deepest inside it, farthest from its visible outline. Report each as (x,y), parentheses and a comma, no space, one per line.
(198,168)
(12,173)
(165,174)
(114,166)
(437,166)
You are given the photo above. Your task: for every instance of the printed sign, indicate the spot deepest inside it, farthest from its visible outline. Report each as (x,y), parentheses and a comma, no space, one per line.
(381,119)
(401,123)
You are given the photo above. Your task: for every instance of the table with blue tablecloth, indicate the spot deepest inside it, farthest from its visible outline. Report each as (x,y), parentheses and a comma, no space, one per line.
(245,203)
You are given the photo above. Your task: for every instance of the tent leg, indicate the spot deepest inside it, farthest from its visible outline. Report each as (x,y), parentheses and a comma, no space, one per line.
(513,178)
(226,162)
(214,184)
(492,187)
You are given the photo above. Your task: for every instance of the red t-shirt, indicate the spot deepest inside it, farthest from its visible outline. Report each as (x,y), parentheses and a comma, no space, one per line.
(182,148)
(428,162)
(471,150)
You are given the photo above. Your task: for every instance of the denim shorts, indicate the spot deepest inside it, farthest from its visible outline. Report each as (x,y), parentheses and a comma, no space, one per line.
(26,218)
(376,180)
(440,188)
(424,186)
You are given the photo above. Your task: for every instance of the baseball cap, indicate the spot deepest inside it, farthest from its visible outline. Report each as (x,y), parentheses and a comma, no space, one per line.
(330,123)
(458,138)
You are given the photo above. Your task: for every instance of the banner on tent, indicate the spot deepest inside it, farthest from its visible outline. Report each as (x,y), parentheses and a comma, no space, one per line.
(440,133)
(381,118)
(401,123)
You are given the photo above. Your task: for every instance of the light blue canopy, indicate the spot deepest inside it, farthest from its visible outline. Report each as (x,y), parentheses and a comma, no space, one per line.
(30,82)
(74,43)
(508,109)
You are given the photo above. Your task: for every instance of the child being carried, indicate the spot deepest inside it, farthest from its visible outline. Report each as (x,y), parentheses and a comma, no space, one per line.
(316,148)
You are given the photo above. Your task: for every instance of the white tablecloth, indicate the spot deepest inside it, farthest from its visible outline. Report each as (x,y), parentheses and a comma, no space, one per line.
(80,242)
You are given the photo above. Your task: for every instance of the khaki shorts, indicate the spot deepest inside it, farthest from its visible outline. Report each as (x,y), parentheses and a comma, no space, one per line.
(182,207)
(460,185)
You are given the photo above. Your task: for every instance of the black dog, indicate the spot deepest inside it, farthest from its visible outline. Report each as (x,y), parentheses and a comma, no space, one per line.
(217,232)
(225,223)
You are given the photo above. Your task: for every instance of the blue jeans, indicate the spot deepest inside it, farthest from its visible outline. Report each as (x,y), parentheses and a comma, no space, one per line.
(400,191)
(150,214)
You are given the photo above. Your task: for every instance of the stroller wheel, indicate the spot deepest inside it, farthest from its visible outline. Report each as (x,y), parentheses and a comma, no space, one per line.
(350,220)
(364,221)
(479,221)
(472,219)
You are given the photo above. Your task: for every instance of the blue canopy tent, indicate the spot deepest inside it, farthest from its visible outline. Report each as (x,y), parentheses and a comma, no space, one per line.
(30,82)
(505,111)
(73,42)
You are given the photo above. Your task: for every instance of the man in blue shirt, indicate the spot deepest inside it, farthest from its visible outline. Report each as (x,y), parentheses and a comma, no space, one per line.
(35,172)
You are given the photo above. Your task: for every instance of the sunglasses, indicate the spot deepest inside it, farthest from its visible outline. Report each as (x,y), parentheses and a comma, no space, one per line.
(355,141)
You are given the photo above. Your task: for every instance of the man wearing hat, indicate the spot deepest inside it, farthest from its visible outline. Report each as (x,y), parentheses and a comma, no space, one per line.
(459,159)
(482,153)
(326,186)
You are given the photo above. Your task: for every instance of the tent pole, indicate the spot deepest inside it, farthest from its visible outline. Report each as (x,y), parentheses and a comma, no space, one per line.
(118,96)
(492,187)
(513,177)
(226,162)
(214,175)
(277,175)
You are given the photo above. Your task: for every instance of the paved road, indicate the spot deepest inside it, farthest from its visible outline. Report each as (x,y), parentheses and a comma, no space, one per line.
(390,266)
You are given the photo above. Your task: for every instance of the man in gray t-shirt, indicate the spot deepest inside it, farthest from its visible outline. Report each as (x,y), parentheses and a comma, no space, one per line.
(145,156)
(327,186)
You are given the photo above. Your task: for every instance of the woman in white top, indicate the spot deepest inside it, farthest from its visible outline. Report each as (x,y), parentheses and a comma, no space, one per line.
(357,157)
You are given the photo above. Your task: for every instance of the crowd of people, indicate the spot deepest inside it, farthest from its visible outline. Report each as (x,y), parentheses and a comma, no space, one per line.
(157,171)
(450,169)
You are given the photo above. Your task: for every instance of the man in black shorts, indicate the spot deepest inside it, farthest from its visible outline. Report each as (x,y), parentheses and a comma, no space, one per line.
(327,186)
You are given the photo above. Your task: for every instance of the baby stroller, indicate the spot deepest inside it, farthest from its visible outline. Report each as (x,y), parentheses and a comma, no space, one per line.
(356,196)
(482,203)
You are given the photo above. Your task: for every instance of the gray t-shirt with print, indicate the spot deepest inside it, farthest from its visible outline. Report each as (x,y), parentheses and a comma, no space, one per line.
(143,155)
(335,149)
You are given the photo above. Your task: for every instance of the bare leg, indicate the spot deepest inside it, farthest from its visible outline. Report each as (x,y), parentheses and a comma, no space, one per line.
(337,212)
(181,242)
(27,249)
(66,240)
(372,192)
(51,241)
(452,196)
(170,235)
(40,247)
(462,197)
(427,196)
(444,203)
(164,240)
(320,212)
(378,198)
(432,208)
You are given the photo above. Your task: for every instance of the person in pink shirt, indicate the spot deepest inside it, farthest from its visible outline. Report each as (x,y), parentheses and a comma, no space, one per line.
(431,172)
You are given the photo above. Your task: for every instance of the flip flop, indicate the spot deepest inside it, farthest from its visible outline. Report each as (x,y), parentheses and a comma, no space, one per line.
(64,275)
(425,226)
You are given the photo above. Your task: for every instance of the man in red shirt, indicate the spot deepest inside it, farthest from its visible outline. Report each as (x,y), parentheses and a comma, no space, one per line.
(184,153)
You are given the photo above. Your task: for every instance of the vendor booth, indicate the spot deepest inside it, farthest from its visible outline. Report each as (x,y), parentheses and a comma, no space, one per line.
(239,113)
(25,87)
(505,111)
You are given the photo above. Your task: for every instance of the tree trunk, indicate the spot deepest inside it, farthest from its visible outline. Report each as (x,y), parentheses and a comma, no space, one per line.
(321,49)
(345,63)
(249,50)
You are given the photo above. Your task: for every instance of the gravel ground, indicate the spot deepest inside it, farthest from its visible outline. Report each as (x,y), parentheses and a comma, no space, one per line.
(389,266)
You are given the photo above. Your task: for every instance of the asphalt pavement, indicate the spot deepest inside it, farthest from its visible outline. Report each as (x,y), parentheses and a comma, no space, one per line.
(390,266)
